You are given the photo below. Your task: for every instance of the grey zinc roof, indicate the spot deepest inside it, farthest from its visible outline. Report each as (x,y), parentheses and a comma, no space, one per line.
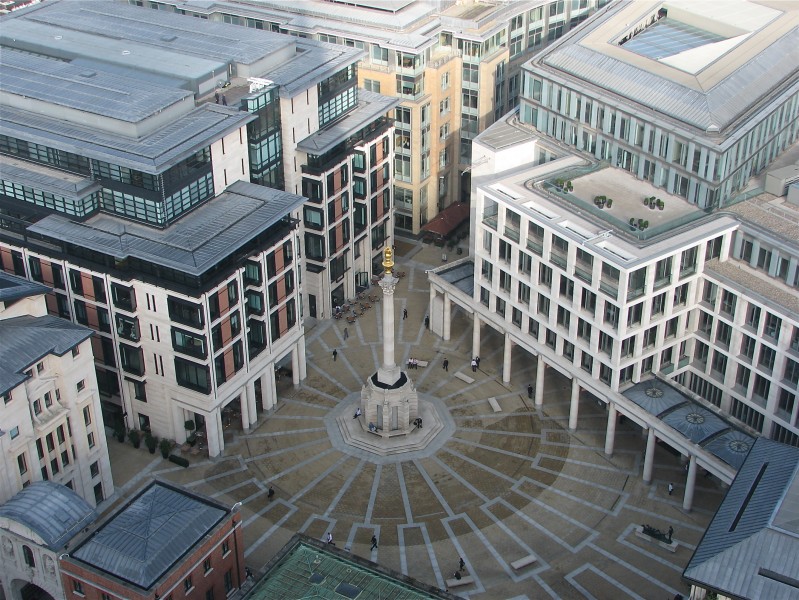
(743,554)
(25,340)
(15,288)
(52,511)
(92,91)
(193,244)
(153,153)
(461,276)
(145,538)
(46,179)
(371,106)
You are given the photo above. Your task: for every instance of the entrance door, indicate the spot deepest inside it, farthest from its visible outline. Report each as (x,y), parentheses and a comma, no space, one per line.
(380,416)
(312,305)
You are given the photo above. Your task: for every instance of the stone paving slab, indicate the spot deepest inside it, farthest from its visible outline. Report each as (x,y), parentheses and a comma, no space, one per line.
(501,486)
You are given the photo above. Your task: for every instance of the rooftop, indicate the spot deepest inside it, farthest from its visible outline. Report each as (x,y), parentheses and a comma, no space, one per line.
(751,547)
(52,511)
(145,538)
(15,288)
(618,57)
(195,243)
(26,340)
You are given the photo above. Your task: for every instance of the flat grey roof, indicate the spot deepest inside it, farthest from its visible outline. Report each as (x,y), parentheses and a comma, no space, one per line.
(46,179)
(194,243)
(716,99)
(692,420)
(146,537)
(26,340)
(751,547)
(371,106)
(461,276)
(53,511)
(153,153)
(15,288)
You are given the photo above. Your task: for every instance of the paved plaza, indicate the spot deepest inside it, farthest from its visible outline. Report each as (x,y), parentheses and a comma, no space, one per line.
(495,487)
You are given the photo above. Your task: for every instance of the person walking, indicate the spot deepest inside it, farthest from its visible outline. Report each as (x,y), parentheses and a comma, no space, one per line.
(426,322)
(530,390)
(271,493)
(477,360)
(335,354)
(671,488)
(346,333)
(445,364)
(330,538)
(474,366)
(404,313)
(461,564)
(374,542)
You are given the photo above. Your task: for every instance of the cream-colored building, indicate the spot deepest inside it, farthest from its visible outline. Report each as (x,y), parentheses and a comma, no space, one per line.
(455,66)
(51,426)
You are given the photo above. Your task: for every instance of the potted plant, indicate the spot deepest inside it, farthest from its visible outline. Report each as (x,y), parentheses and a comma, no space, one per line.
(640,223)
(632,222)
(646,224)
(609,202)
(189,426)
(119,433)
(569,186)
(646,201)
(165,446)
(134,438)
(661,204)
(151,442)
(559,183)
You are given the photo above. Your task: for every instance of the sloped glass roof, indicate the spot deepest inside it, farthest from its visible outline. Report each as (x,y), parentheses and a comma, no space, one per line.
(668,37)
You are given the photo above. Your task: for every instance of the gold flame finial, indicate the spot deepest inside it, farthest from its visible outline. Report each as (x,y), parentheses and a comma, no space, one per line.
(388,260)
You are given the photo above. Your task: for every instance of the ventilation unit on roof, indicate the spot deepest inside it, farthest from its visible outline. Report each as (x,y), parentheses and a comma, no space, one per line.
(88,74)
(168,38)
(654,392)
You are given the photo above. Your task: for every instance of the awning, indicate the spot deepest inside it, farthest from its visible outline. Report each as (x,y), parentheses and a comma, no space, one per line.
(448,219)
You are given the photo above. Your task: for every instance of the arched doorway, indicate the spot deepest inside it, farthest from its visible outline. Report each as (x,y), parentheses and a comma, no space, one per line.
(24,590)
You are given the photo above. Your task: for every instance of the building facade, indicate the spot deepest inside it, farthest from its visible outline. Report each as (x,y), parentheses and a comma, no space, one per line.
(52,425)
(455,68)
(565,265)
(152,201)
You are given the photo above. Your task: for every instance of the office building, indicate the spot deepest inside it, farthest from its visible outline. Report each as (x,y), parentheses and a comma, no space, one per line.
(51,426)
(150,198)
(454,66)
(681,318)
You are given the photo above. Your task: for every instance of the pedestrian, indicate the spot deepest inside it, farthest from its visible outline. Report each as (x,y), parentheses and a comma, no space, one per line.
(271,493)
(224,101)
(330,538)
(248,572)
(671,488)
(529,390)
(335,354)
(671,532)
(358,413)
(446,365)
(461,564)
(216,97)
(346,333)
(404,313)
(474,366)
(374,542)
(426,322)
(477,360)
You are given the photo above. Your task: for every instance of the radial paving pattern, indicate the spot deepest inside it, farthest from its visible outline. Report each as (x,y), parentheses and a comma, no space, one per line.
(506,485)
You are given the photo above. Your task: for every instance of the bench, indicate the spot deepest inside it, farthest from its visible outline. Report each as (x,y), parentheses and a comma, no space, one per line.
(523,562)
(494,404)
(462,581)
(422,363)
(463,377)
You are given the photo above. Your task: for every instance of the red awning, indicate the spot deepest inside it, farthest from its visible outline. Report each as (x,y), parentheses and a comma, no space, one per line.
(448,219)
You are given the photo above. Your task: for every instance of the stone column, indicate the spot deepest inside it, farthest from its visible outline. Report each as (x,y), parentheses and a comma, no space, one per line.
(295,366)
(476,335)
(610,434)
(539,380)
(389,372)
(575,404)
(506,354)
(213,432)
(649,456)
(447,326)
(302,360)
(430,305)
(690,483)
(251,416)
(268,390)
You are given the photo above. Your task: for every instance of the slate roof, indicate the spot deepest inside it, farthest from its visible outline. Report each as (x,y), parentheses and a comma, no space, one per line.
(145,539)
(751,547)
(193,244)
(15,288)
(52,511)
(26,340)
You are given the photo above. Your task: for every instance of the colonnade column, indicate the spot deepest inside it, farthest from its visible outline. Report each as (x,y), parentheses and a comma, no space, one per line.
(430,306)
(295,365)
(301,357)
(249,413)
(268,391)
(476,335)
(690,483)
(610,434)
(649,456)
(213,433)
(506,355)
(575,404)
(539,381)
(447,316)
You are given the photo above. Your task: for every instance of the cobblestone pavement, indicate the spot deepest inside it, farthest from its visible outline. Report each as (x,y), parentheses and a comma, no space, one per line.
(504,486)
